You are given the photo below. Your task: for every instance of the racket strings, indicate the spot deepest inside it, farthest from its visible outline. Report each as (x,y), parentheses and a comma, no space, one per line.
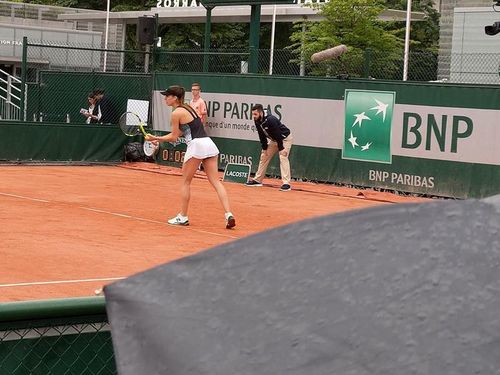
(130,124)
(130,129)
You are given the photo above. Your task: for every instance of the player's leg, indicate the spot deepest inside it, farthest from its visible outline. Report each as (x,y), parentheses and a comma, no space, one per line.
(210,166)
(189,169)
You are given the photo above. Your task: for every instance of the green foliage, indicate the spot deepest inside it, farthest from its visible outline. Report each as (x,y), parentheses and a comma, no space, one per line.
(191,36)
(424,35)
(351,22)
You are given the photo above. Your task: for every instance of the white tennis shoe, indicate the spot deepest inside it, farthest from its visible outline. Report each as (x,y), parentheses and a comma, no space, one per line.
(179,220)
(230,221)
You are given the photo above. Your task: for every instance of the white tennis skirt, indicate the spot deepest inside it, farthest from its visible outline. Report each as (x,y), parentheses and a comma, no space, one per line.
(201,148)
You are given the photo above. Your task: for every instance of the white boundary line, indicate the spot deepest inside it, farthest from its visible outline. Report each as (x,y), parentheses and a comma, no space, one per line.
(34,283)
(153,221)
(22,197)
(97,210)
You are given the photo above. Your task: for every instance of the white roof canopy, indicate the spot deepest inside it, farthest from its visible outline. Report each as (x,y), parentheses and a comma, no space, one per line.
(225,14)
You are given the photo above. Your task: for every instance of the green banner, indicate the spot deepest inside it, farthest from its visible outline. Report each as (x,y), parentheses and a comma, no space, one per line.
(239,173)
(367,125)
(424,138)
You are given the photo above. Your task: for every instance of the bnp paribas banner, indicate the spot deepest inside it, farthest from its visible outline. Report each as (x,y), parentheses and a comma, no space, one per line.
(368,126)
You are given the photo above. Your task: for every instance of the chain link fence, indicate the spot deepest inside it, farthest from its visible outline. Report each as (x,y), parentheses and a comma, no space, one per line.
(381,66)
(62,81)
(474,68)
(478,68)
(61,77)
(481,68)
(355,64)
(55,337)
(83,58)
(215,61)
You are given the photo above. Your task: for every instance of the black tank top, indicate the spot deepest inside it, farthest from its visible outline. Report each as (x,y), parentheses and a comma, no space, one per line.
(193,129)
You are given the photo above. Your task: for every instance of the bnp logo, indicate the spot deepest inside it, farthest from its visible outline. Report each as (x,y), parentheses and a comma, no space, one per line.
(367,126)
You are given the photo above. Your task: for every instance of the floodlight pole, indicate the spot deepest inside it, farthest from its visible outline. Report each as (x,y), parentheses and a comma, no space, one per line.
(302,46)
(273,28)
(106,38)
(407,40)
(253,61)
(206,43)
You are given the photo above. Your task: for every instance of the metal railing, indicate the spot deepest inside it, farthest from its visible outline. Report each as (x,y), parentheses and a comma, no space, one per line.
(10,97)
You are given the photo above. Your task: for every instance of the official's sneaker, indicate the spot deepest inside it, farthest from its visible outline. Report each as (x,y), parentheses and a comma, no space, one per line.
(253,183)
(230,222)
(285,187)
(179,220)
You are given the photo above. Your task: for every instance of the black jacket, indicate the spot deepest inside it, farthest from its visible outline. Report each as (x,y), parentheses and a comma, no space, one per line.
(270,127)
(108,115)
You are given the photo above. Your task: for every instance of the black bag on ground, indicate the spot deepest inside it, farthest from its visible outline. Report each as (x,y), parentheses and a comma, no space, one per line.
(133,152)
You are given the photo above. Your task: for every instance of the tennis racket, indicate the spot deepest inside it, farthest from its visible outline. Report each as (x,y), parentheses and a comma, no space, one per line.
(131,124)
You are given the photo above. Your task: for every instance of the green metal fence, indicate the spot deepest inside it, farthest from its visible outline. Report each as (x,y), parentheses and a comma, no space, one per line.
(70,336)
(365,64)
(98,64)
(61,78)
(58,90)
(82,58)
(477,68)
(473,68)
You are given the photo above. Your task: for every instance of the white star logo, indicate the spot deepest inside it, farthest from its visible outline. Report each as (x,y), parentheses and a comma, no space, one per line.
(366,147)
(353,141)
(359,118)
(381,107)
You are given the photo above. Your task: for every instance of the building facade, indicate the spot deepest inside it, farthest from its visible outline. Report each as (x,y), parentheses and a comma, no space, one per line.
(447,12)
(43,24)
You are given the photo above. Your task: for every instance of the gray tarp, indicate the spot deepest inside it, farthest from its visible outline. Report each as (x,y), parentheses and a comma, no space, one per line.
(393,290)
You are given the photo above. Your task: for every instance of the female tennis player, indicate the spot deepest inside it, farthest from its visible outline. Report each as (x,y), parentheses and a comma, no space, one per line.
(200,149)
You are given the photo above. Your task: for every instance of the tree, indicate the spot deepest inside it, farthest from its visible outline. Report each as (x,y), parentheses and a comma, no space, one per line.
(351,22)
(424,34)
(424,39)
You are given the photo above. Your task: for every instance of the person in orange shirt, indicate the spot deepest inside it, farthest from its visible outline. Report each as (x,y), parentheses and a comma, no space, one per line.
(198,104)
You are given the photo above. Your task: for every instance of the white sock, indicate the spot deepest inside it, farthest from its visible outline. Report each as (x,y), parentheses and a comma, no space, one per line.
(182,217)
(227,214)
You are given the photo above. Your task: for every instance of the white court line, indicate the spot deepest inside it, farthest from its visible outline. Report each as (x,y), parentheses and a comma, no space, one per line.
(123,215)
(154,221)
(107,212)
(61,282)
(28,198)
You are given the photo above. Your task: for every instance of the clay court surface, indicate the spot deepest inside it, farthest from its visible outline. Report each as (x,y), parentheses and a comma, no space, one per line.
(67,230)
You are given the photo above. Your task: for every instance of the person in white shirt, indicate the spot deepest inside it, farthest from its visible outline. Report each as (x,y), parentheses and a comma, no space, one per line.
(92,112)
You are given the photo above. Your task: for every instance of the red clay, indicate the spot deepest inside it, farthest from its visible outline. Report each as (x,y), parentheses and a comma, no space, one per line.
(62,226)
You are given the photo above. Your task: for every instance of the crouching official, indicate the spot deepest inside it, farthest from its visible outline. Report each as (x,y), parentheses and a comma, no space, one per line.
(274,137)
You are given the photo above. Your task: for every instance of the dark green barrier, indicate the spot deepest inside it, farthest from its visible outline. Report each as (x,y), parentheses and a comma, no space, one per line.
(69,336)
(434,177)
(45,142)
(446,95)
(430,157)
